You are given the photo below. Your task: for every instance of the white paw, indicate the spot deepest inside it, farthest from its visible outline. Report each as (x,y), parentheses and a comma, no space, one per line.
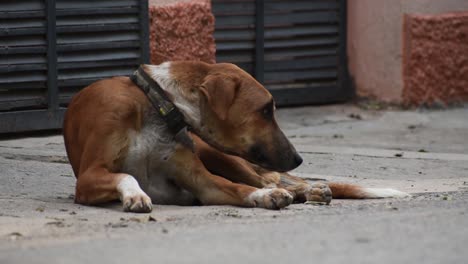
(275,198)
(133,198)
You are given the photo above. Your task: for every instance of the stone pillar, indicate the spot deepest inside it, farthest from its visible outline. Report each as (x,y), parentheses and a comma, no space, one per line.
(181,30)
(435,59)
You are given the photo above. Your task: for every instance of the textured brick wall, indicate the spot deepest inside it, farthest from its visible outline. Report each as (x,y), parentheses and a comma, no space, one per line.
(181,30)
(436,59)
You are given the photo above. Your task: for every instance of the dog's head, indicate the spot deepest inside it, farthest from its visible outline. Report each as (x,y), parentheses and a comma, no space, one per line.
(229,110)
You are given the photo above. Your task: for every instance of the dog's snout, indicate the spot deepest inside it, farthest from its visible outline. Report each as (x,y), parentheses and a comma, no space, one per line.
(297,160)
(291,162)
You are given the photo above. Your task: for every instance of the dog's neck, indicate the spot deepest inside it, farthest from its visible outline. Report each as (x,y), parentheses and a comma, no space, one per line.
(189,106)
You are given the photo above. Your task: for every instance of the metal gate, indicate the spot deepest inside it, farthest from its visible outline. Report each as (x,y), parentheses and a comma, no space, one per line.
(50,49)
(297,49)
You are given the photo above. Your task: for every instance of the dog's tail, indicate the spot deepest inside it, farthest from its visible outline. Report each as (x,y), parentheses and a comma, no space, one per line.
(351,191)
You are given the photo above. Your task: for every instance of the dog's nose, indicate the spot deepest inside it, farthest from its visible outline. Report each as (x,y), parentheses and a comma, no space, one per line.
(297,159)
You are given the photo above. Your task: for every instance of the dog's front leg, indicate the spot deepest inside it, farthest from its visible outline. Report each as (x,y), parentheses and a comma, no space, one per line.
(231,167)
(190,173)
(98,185)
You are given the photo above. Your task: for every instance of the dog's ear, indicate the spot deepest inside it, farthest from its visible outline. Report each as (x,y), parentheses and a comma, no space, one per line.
(219,91)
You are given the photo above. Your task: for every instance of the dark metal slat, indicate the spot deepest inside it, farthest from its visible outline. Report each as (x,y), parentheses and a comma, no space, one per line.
(97,46)
(22,41)
(79,4)
(24,85)
(300,31)
(94,55)
(236,57)
(97,11)
(95,37)
(29,22)
(343,74)
(259,40)
(233,35)
(93,74)
(97,28)
(300,64)
(22,50)
(21,14)
(22,67)
(23,76)
(282,54)
(288,6)
(15,5)
(52,89)
(302,18)
(97,20)
(302,42)
(244,45)
(144,32)
(246,21)
(293,76)
(97,64)
(15,59)
(22,31)
(230,8)
(64,84)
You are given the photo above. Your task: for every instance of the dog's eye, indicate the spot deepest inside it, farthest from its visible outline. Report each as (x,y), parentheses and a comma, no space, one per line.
(267,111)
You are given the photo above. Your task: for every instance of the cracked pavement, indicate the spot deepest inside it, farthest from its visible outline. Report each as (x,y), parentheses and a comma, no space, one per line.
(423,152)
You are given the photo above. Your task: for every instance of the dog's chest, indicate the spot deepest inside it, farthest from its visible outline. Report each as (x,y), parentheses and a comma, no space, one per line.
(148,150)
(147,161)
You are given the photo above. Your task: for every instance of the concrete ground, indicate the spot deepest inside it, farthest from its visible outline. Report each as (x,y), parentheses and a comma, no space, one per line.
(424,153)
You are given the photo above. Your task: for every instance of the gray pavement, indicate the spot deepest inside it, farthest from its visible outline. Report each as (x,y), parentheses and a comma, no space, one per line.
(424,153)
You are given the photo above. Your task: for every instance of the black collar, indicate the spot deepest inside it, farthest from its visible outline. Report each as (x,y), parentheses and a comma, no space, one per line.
(165,108)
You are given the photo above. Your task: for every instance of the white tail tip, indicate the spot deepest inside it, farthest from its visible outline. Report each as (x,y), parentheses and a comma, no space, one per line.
(384,193)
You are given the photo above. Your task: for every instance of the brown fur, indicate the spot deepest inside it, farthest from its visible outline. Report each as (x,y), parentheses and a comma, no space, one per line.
(97,143)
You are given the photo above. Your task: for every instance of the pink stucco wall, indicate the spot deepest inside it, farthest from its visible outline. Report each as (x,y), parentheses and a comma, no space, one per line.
(375,43)
(435,59)
(181,30)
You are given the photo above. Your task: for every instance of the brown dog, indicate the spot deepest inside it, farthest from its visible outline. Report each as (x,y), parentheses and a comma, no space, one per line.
(120,147)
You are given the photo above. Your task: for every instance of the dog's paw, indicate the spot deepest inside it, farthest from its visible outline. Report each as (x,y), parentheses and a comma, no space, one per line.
(133,198)
(319,193)
(139,203)
(275,198)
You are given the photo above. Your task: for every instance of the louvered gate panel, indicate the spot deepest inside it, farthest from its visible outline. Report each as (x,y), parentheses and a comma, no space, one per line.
(23,59)
(50,49)
(295,48)
(95,40)
(235,32)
